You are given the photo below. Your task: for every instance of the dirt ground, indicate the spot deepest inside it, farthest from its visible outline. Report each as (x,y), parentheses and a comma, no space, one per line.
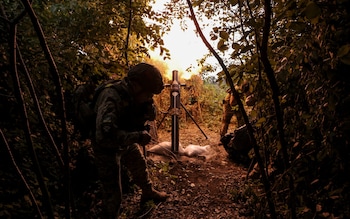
(199,187)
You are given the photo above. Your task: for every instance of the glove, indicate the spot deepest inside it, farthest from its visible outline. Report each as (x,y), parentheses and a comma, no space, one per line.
(144,138)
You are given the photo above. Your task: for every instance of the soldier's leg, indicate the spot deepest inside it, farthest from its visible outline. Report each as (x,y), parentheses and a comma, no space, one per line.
(136,164)
(224,128)
(109,173)
(226,119)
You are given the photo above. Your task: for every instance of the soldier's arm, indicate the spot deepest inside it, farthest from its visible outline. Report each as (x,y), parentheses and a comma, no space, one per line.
(108,133)
(150,111)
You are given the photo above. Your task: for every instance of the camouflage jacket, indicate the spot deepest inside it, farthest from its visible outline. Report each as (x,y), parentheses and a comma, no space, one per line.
(118,118)
(83,94)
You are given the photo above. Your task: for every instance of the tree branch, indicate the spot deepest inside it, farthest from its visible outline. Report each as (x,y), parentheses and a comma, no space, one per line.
(275,96)
(241,108)
(19,97)
(59,91)
(38,109)
(128,34)
(31,195)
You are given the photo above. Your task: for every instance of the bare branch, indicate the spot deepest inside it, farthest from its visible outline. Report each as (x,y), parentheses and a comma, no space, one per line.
(19,172)
(128,35)
(20,99)
(38,109)
(59,91)
(275,96)
(241,108)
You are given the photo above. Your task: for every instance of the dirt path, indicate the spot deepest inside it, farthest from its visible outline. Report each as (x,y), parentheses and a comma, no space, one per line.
(199,187)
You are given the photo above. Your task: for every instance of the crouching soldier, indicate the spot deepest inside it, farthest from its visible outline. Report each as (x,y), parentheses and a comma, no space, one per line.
(237,144)
(122,109)
(230,109)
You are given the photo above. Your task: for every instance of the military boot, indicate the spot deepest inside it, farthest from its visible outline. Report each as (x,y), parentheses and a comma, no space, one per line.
(153,195)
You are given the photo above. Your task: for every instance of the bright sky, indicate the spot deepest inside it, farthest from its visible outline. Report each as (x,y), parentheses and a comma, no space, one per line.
(185,47)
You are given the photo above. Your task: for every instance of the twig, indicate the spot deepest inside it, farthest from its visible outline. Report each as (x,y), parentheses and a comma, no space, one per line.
(32,197)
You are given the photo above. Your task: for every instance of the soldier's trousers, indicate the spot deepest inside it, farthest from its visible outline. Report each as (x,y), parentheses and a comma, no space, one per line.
(109,167)
(226,119)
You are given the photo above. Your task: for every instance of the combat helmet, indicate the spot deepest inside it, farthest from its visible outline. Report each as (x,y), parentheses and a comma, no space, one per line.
(148,76)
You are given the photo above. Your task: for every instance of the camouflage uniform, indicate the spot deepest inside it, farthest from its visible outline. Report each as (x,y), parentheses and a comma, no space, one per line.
(119,131)
(82,99)
(237,145)
(229,110)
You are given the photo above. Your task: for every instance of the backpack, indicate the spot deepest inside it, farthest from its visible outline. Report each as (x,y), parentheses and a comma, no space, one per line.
(237,144)
(85,115)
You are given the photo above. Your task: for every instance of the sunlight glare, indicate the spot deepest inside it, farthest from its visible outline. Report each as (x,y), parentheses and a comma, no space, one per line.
(185,48)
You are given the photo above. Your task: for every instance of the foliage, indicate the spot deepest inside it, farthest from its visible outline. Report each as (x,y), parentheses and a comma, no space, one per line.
(308,48)
(78,33)
(308,51)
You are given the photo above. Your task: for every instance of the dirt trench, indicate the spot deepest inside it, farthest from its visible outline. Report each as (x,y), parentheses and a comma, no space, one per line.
(208,186)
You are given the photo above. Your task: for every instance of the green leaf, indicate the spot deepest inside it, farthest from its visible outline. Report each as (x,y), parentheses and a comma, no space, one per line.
(234,2)
(247,48)
(253,113)
(260,122)
(343,50)
(197,3)
(298,26)
(344,54)
(236,46)
(256,3)
(213,37)
(346,59)
(312,10)
(224,35)
(222,46)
